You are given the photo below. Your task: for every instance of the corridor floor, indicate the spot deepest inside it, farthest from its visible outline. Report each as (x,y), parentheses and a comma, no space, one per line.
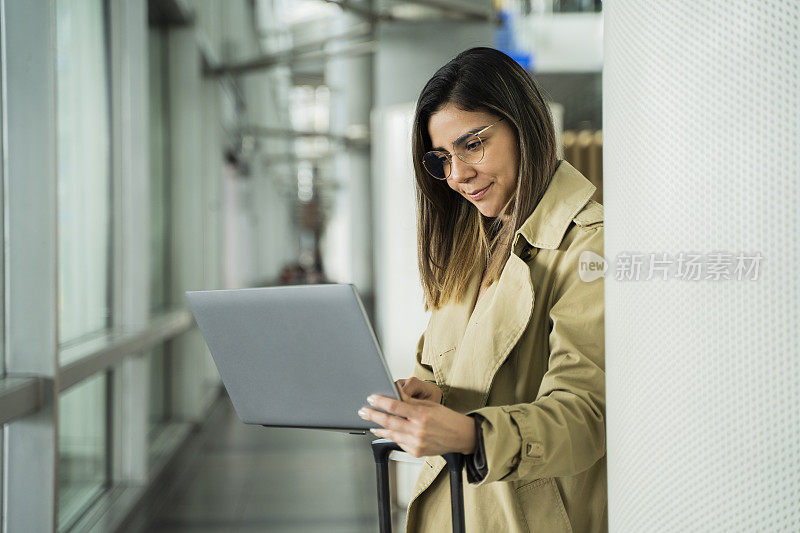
(248,478)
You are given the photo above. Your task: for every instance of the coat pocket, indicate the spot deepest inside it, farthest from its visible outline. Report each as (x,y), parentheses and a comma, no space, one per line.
(543,507)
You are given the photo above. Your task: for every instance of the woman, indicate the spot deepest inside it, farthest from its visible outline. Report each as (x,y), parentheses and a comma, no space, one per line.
(510,370)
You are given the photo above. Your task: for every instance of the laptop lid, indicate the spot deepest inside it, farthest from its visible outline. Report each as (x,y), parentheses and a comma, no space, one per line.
(294,356)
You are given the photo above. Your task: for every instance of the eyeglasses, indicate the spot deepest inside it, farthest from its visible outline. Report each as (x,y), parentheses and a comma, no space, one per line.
(468,148)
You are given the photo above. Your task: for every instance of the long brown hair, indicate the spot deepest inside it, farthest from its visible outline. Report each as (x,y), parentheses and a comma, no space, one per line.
(452,235)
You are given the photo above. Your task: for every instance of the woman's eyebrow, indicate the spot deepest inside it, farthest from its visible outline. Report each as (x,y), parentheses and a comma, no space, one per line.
(470,132)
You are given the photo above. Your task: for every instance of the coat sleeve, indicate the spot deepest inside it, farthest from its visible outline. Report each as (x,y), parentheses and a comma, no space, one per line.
(476,461)
(562,432)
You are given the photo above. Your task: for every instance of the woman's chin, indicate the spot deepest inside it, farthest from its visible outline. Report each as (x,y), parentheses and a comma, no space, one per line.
(487,212)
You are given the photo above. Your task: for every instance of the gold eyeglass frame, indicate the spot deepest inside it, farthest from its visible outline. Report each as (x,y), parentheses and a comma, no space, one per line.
(450,156)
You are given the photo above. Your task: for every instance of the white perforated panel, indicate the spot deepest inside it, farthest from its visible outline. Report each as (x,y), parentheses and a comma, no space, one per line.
(702,114)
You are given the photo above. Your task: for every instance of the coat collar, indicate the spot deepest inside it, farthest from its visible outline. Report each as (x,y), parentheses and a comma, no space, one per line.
(566,195)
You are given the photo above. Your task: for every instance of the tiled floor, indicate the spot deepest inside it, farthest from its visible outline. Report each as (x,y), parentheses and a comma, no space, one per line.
(250,478)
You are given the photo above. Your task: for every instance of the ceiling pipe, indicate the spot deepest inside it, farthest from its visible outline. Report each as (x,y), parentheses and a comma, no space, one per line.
(451,7)
(300,52)
(270,131)
(364,12)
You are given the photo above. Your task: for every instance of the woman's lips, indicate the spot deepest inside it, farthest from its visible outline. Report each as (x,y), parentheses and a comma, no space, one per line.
(480,193)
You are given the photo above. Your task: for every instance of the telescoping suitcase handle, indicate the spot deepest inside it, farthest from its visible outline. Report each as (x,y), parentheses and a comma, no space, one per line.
(455,464)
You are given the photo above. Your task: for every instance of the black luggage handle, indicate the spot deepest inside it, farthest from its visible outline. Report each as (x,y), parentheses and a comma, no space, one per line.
(455,464)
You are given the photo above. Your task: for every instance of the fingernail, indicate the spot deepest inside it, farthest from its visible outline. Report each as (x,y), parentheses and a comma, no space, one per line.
(371,398)
(362,413)
(372,430)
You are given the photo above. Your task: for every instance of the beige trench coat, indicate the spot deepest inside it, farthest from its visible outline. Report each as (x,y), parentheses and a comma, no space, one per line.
(530,358)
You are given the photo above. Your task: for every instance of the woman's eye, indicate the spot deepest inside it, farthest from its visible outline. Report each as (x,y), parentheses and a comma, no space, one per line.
(473,146)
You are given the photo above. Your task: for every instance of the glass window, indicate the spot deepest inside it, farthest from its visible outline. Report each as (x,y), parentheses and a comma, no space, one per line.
(159,168)
(84,168)
(310,111)
(82,447)
(158,388)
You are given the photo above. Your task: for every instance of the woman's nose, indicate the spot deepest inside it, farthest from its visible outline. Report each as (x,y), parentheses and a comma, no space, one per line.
(460,170)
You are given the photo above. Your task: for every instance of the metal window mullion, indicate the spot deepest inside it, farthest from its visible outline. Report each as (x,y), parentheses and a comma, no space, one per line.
(187,214)
(131,257)
(31,231)
(109,429)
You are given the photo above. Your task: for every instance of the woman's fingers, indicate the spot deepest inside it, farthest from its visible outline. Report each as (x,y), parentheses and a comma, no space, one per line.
(399,438)
(394,410)
(383,419)
(401,386)
(422,401)
(391,405)
(427,429)
(414,388)
(409,410)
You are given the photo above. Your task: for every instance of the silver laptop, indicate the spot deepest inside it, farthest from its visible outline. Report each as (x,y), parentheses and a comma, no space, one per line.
(294,356)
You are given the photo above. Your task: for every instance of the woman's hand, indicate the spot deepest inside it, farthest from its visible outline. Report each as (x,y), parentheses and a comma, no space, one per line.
(428,428)
(421,390)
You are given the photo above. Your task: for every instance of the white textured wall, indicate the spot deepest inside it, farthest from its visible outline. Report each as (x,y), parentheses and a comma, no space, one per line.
(701,112)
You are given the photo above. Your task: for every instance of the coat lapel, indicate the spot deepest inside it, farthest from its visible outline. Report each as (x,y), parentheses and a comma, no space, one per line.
(449,322)
(492,331)
(462,350)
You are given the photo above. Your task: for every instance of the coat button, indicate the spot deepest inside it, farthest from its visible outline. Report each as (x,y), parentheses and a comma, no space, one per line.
(526,254)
